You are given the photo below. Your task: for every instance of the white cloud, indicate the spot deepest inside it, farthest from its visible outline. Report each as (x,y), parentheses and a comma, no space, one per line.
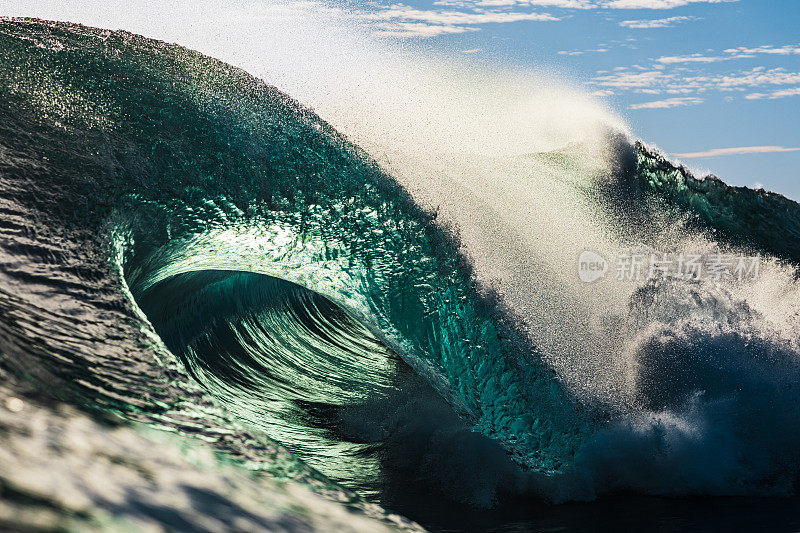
(405,30)
(656,23)
(694,58)
(629,80)
(401,20)
(580,52)
(657,4)
(582,4)
(716,152)
(678,81)
(560,4)
(668,103)
(459,16)
(447,18)
(756,77)
(741,52)
(766,49)
(782,93)
(564,4)
(494,3)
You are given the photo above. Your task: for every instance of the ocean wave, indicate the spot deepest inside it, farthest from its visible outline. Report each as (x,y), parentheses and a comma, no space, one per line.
(188,247)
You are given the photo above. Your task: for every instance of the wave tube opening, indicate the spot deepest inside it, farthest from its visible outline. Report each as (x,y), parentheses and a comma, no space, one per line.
(296,366)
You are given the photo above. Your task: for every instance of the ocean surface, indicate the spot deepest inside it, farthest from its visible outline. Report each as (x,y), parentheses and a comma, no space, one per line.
(218,313)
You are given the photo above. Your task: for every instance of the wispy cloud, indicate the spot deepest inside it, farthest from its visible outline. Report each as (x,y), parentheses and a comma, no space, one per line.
(408,13)
(782,93)
(685,85)
(668,103)
(789,49)
(656,23)
(758,76)
(717,152)
(694,58)
(460,16)
(560,4)
(625,79)
(564,4)
(581,52)
(731,53)
(403,21)
(404,30)
(658,81)
(657,4)
(583,4)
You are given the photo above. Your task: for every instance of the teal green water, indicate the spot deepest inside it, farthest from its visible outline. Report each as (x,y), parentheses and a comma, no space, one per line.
(186,246)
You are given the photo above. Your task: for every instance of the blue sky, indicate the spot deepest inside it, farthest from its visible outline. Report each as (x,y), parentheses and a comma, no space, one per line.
(715,81)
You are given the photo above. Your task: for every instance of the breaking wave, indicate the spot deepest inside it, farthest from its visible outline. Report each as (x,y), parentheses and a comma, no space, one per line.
(189,247)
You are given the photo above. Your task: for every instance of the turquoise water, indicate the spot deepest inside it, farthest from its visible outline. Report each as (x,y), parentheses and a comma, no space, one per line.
(188,248)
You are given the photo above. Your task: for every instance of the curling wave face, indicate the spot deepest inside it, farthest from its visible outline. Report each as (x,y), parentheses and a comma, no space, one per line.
(188,247)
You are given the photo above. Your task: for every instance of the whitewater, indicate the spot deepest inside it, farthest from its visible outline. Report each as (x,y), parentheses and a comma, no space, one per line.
(355,285)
